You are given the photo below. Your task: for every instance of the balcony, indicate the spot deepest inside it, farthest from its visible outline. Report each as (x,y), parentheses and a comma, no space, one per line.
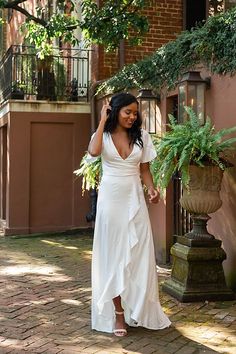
(60,77)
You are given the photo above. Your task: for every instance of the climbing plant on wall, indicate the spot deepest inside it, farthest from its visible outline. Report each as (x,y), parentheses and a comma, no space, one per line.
(212,44)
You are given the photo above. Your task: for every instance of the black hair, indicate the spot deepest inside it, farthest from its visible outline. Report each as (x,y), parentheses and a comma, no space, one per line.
(117,102)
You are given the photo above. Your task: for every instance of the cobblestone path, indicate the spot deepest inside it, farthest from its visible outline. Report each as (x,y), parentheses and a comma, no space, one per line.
(45,298)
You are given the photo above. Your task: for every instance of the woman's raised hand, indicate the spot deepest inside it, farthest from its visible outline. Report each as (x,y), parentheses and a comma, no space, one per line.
(104,113)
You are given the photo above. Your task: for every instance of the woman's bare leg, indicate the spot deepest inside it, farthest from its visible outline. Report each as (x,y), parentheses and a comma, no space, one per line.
(120,319)
(117,303)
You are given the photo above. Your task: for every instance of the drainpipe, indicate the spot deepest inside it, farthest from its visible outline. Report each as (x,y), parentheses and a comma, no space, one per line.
(121,54)
(94,120)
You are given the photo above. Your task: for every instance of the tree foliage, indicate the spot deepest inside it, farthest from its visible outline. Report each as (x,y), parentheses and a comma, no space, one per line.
(107,24)
(114,21)
(212,44)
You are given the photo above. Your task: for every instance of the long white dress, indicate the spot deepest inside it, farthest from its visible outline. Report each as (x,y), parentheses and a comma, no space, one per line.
(123,261)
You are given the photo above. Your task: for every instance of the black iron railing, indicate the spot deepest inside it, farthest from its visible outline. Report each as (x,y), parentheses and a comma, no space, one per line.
(182,218)
(182,222)
(60,77)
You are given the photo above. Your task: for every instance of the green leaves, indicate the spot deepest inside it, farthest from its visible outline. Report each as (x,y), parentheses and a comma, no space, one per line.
(113,21)
(42,37)
(106,24)
(212,44)
(91,173)
(189,143)
(3,3)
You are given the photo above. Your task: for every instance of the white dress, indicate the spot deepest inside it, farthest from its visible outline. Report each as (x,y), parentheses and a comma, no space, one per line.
(123,261)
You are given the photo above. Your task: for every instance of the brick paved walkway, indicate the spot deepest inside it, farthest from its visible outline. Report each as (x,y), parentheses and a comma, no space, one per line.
(45,307)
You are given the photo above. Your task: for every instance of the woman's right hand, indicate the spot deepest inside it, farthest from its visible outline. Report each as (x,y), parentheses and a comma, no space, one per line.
(104,114)
(95,145)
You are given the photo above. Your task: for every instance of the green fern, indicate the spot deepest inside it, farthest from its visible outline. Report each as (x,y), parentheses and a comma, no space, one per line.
(190,143)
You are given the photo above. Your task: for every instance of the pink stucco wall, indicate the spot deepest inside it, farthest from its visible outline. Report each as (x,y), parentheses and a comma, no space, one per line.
(221,107)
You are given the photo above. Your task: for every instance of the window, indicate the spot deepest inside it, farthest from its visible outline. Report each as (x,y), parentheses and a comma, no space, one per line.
(194,12)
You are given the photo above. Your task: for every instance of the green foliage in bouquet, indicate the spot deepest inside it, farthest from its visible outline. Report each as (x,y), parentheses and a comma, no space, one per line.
(90,171)
(189,143)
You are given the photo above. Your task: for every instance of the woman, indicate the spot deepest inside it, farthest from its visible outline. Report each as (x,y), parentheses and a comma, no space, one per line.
(124,278)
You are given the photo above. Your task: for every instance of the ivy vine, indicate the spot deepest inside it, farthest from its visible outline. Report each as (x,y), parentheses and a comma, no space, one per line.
(212,44)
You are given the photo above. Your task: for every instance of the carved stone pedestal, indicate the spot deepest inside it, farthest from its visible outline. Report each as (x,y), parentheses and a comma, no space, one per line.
(197,272)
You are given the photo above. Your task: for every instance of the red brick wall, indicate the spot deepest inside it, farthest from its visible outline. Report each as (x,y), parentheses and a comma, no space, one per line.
(14,35)
(103,64)
(165,20)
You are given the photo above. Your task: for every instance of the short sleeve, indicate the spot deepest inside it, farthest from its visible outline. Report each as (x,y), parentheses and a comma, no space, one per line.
(89,158)
(148,152)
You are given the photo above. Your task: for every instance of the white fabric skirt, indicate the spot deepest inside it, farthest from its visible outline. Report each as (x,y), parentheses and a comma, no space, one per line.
(123,260)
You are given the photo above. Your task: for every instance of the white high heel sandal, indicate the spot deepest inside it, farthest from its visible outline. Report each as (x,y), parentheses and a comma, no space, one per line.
(120,332)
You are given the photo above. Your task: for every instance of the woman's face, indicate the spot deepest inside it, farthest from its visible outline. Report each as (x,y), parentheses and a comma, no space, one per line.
(128,115)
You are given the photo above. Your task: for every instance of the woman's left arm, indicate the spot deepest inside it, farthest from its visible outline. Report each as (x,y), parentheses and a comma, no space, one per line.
(146,176)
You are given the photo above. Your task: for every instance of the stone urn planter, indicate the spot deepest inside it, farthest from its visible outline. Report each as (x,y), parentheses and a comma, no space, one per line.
(202,198)
(197,272)
(200,154)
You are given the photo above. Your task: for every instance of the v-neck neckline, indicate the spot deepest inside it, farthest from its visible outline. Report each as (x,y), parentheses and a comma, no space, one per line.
(117,152)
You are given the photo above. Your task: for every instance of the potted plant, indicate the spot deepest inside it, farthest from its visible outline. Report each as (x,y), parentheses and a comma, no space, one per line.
(18,88)
(201,155)
(190,144)
(91,172)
